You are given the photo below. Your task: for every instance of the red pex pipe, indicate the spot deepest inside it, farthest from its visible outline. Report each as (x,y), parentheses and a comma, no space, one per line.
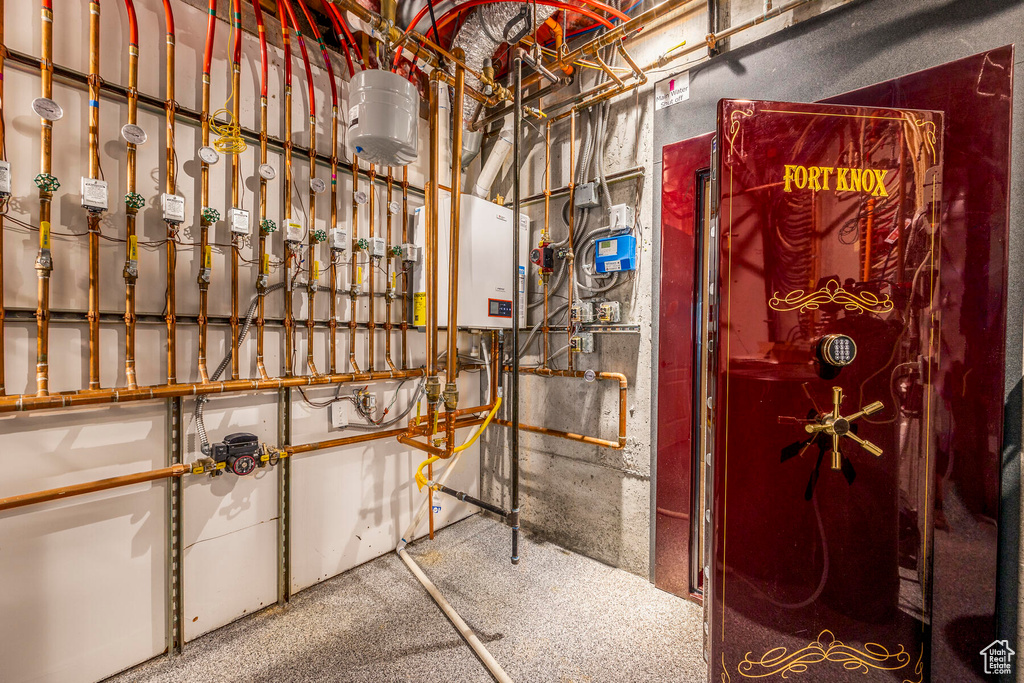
(258,11)
(133,24)
(236,24)
(169,16)
(305,56)
(337,30)
(211,29)
(450,15)
(323,52)
(287,44)
(344,32)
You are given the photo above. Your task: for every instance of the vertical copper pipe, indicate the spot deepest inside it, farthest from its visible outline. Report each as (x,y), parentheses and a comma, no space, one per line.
(432,197)
(371,323)
(451,390)
(311,282)
(131,248)
(236,97)
(571,260)
(289,321)
(204,193)
(353,280)
(93,217)
(261,280)
(389,289)
(3,156)
(404,272)
(332,350)
(44,260)
(545,237)
(171,188)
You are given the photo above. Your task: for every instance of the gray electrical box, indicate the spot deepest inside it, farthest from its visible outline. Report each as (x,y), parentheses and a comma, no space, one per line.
(587,196)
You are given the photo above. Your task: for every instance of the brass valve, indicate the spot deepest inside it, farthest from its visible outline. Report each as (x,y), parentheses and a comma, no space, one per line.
(838,426)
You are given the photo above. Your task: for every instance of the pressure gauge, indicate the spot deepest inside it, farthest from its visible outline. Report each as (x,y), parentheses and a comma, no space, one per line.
(393,208)
(837,350)
(241,464)
(267,172)
(317,185)
(360,197)
(134,134)
(208,155)
(47,109)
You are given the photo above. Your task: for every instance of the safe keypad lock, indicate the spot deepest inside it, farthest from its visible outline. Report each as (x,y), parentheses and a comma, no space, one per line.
(838,426)
(837,350)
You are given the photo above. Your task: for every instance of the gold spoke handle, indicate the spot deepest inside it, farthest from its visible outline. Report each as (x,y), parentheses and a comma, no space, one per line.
(836,426)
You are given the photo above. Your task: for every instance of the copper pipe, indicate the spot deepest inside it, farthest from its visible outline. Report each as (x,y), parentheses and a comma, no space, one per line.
(388,284)
(371,278)
(27,402)
(546,235)
(171,188)
(262,259)
(3,155)
(344,441)
(332,351)
(405,272)
(63,492)
(289,320)
(433,203)
(571,257)
(204,198)
(131,247)
(44,261)
(236,97)
(311,283)
(93,217)
(353,281)
(609,376)
(452,363)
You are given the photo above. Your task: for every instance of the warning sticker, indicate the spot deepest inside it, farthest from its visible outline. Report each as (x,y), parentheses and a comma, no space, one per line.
(419,309)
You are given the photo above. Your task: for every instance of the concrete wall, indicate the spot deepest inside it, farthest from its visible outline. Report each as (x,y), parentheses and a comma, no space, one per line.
(595,500)
(83,589)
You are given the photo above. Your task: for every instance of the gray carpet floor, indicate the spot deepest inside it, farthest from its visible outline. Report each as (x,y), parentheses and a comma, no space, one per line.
(558,616)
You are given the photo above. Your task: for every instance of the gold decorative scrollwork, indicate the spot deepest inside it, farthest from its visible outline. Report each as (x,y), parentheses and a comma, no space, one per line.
(779,661)
(928,131)
(726,678)
(831,292)
(918,669)
(734,123)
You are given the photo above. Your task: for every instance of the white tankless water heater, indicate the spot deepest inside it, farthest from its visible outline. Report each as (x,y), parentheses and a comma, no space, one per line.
(383,118)
(486,285)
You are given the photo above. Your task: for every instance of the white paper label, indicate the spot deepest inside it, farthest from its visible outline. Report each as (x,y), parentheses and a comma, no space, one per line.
(612,266)
(94,193)
(672,91)
(239,221)
(5,178)
(293,230)
(174,208)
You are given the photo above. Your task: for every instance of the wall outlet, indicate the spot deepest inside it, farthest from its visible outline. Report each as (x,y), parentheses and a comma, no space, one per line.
(337,419)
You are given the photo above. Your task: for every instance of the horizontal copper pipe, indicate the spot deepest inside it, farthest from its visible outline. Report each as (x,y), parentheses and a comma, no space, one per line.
(9,404)
(61,492)
(608,376)
(344,441)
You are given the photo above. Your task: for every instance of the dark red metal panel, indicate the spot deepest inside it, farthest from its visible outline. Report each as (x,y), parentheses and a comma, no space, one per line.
(975,94)
(830,224)
(681,163)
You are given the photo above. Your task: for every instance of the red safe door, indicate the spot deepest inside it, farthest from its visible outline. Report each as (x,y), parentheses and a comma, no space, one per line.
(827,238)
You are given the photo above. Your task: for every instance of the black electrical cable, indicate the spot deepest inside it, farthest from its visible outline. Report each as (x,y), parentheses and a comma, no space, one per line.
(433,21)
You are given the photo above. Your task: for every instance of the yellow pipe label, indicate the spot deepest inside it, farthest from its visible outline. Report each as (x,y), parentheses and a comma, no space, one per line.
(44,235)
(316,270)
(359,275)
(419,309)
(208,257)
(133,248)
(265,266)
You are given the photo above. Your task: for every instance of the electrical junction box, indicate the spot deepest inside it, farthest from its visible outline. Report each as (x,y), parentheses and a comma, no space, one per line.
(293,230)
(377,248)
(621,218)
(486,285)
(582,342)
(615,254)
(94,194)
(586,196)
(582,312)
(174,207)
(609,312)
(410,253)
(337,417)
(239,220)
(5,178)
(339,239)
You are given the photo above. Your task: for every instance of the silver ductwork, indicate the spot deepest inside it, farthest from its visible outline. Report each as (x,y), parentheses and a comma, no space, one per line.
(484,31)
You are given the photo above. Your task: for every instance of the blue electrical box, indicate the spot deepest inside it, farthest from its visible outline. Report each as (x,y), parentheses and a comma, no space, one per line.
(615,254)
